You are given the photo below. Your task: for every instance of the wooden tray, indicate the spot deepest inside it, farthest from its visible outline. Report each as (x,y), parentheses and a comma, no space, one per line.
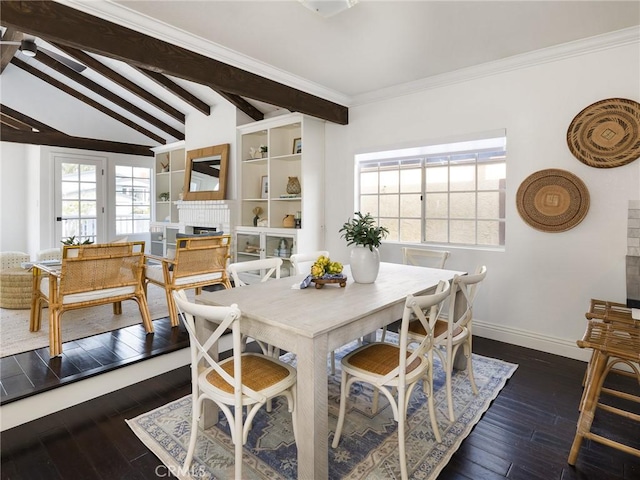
(321,282)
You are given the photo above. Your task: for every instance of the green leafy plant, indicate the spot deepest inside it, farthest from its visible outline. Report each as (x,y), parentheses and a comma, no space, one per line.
(72,240)
(362,230)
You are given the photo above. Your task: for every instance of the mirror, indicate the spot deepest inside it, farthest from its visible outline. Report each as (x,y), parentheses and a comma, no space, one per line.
(206,173)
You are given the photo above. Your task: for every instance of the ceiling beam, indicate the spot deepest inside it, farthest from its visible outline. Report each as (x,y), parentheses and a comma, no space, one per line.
(121,80)
(13,123)
(8,51)
(57,139)
(242,105)
(83,98)
(105,93)
(26,120)
(177,90)
(53,21)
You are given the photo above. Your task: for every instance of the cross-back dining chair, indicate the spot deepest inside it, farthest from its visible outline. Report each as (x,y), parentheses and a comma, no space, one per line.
(421,257)
(90,275)
(424,257)
(198,262)
(395,369)
(266,269)
(455,331)
(242,380)
(302,262)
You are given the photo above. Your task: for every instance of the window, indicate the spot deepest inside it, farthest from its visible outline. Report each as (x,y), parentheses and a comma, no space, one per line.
(450,193)
(133,199)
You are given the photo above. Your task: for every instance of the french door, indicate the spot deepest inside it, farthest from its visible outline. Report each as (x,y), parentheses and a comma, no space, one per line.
(79,198)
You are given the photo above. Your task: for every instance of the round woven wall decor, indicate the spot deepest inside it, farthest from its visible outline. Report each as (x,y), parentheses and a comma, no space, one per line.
(552,200)
(606,134)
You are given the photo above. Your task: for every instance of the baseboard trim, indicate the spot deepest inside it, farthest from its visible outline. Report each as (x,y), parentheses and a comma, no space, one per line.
(528,339)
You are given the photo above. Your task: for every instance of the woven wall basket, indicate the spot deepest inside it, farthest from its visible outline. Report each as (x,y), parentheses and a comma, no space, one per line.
(552,200)
(606,134)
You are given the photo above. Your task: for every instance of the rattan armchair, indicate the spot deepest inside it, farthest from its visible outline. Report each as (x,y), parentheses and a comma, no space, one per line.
(90,275)
(199,262)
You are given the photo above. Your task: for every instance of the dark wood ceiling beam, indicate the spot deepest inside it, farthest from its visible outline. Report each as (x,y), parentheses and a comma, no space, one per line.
(56,139)
(53,21)
(13,123)
(105,93)
(242,105)
(83,98)
(25,119)
(121,80)
(8,51)
(177,90)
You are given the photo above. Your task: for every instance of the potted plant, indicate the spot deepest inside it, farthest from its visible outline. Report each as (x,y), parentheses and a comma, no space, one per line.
(73,240)
(362,232)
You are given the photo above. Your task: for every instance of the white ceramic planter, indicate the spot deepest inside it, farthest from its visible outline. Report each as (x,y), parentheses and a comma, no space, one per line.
(364,264)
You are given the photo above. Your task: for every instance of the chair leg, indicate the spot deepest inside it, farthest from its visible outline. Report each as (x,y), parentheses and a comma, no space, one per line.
(237,425)
(55,340)
(467,353)
(402,413)
(343,410)
(173,311)
(448,367)
(333,363)
(117,308)
(195,420)
(591,402)
(144,313)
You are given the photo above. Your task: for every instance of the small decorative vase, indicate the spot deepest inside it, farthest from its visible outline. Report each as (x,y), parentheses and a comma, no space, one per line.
(288,221)
(364,264)
(293,186)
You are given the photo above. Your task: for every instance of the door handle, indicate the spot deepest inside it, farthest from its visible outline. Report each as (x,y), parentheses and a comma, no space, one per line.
(58,219)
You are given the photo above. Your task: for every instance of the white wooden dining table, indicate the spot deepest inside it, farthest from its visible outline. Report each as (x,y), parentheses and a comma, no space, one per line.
(312,322)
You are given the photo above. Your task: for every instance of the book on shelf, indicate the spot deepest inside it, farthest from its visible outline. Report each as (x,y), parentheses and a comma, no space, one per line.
(290,195)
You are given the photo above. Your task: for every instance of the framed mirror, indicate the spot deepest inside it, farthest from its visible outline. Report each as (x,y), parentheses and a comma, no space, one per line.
(206,173)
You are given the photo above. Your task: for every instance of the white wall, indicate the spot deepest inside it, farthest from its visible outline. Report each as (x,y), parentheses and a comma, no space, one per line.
(537,289)
(14,196)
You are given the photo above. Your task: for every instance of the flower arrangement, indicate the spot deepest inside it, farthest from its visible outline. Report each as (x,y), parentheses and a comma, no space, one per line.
(323,267)
(361,230)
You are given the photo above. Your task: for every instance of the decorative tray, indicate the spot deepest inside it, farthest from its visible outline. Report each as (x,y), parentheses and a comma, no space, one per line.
(321,282)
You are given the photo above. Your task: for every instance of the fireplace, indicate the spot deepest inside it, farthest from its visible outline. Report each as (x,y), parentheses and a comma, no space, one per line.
(206,214)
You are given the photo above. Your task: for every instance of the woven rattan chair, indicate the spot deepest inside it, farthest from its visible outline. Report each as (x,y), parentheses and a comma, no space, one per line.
(198,262)
(90,275)
(394,369)
(613,343)
(242,380)
(455,331)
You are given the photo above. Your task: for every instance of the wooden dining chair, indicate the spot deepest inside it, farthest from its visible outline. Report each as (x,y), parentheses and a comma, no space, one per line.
(455,331)
(395,370)
(242,380)
(421,257)
(199,261)
(301,262)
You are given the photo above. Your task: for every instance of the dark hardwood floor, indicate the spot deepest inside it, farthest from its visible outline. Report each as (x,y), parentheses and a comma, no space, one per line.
(525,434)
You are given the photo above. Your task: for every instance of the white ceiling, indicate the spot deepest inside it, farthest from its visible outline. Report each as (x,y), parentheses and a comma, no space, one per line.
(381,44)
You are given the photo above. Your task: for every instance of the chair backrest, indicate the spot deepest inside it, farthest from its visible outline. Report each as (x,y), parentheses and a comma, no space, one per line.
(270,266)
(302,262)
(202,255)
(226,318)
(424,257)
(49,254)
(426,309)
(467,286)
(12,259)
(87,268)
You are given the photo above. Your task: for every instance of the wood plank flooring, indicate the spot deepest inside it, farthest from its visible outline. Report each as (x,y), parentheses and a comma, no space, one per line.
(525,435)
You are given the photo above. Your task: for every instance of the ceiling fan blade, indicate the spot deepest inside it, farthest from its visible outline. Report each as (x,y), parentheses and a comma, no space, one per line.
(72,64)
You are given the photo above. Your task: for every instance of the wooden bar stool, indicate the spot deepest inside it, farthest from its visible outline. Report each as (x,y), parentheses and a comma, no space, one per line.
(613,343)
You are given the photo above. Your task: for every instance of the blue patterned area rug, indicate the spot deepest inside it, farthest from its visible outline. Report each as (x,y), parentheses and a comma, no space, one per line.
(369,445)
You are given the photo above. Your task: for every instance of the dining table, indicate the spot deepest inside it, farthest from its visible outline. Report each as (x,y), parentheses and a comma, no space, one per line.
(312,322)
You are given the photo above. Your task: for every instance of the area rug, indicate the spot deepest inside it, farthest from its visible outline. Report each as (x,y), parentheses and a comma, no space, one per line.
(368,447)
(15,336)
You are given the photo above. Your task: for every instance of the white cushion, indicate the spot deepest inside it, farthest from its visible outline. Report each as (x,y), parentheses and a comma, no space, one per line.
(154,273)
(88,296)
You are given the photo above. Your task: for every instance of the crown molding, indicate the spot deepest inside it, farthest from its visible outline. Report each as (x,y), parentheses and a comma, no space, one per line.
(128,18)
(563,51)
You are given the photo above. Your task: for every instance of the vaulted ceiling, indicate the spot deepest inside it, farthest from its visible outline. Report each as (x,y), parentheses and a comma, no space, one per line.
(133,80)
